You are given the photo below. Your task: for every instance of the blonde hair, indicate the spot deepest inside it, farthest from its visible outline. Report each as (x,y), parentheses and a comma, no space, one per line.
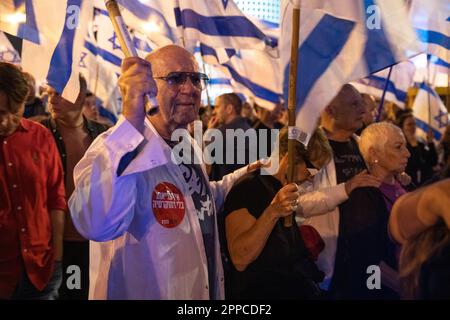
(415,252)
(375,136)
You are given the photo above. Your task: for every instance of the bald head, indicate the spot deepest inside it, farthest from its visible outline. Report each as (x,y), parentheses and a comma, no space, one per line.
(345,111)
(178,102)
(371,109)
(167,57)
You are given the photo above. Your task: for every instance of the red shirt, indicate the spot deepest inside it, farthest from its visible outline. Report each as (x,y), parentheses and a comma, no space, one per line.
(31,185)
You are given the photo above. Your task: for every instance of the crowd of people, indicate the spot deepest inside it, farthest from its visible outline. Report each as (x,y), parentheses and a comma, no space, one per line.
(78,190)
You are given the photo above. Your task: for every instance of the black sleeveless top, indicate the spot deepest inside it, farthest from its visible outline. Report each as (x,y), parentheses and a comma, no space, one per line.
(283,270)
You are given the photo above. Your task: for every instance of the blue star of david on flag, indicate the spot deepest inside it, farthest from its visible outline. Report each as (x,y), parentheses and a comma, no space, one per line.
(82,63)
(9,56)
(225,3)
(113,41)
(442,119)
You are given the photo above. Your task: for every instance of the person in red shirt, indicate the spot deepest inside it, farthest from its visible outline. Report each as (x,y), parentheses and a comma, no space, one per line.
(32,198)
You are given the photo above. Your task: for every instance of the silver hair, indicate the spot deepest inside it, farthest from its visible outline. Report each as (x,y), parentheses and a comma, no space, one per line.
(375,136)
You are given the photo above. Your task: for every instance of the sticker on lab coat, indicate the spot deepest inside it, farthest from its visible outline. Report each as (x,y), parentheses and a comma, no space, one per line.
(168,205)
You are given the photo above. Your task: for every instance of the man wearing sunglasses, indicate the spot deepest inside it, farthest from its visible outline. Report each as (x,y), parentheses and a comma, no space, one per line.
(157,216)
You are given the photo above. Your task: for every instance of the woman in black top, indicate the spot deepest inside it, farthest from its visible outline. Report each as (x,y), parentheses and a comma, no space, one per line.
(270,261)
(423,155)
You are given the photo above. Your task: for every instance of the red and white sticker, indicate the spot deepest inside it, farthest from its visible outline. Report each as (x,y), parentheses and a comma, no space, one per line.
(168,205)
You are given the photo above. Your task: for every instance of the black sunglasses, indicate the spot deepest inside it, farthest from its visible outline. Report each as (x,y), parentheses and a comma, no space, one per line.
(198,79)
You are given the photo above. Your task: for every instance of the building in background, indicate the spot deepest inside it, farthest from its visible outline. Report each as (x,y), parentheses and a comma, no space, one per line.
(263,9)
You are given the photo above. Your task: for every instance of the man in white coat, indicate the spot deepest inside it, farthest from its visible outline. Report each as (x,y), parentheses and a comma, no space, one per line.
(155,218)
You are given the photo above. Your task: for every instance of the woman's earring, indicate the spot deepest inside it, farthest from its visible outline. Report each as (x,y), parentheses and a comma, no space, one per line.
(375,161)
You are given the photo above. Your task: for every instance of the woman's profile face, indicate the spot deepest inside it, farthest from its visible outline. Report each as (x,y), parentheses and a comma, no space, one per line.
(394,156)
(409,126)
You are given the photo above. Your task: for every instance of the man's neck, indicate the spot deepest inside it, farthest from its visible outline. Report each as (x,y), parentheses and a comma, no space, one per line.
(230,118)
(71,122)
(268,122)
(164,131)
(337,134)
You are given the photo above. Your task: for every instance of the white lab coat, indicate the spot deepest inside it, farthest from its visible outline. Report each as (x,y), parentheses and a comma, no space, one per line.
(135,257)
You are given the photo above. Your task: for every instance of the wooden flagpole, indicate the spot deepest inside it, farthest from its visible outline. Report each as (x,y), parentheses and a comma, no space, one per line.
(292,96)
(127,46)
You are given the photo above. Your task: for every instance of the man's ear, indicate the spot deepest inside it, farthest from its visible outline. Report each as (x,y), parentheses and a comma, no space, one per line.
(330,110)
(229,108)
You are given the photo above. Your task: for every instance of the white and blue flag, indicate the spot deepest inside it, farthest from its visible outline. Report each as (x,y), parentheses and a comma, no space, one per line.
(431,20)
(430,112)
(341,41)
(156,19)
(220,24)
(107,42)
(253,73)
(62,26)
(7,52)
(402,77)
(101,78)
(17,17)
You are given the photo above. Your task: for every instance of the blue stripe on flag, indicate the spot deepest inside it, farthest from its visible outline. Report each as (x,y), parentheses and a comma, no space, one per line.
(146,13)
(235,26)
(141,45)
(377,52)
(379,83)
(106,55)
(443,63)
(91,47)
(434,37)
(425,127)
(242,97)
(206,50)
(424,86)
(178,19)
(27,30)
(438,61)
(217,81)
(137,8)
(61,62)
(105,113)
(32,29)
(18,3)
(256,89)
(317,52)
(102,11)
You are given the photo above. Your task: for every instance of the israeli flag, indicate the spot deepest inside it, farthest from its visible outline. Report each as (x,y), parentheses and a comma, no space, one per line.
(17,17)
(220,24)
(341,41)
(156,19)
(107,43)
(438,65)
(101,79)
(430,112)
(7,51)
(402,77)
(253,73)
(431,20)
(63,26)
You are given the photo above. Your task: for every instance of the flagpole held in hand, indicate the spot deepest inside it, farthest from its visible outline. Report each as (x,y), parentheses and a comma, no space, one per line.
(292,97)
(151,104)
